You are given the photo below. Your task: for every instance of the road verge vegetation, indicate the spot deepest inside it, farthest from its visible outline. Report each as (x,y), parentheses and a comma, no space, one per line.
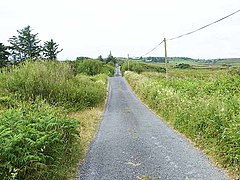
(204,105)
(92,67)
(39,135)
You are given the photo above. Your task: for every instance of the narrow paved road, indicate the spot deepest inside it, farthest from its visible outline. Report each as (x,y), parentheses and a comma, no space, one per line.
(133,143)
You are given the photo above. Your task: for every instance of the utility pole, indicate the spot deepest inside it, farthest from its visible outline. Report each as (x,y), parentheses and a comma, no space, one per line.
(128,62)
(166,59)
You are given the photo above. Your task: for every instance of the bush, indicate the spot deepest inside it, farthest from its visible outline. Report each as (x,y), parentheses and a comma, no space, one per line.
(108,70)
(92,67)
(140,67)
(183,66)
(37,143)
(55,83)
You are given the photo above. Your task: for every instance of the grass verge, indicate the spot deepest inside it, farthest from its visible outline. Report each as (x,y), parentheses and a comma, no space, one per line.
(205,107)
(89,120)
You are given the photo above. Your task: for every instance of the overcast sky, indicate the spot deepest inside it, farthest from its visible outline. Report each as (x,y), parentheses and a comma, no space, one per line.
(94,27)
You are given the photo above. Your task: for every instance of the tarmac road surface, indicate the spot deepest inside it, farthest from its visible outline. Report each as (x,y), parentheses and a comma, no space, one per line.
(133,143)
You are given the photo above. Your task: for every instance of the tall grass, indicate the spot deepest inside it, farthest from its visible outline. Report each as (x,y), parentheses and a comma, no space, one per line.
(38,140)
(204,107)
(55,83)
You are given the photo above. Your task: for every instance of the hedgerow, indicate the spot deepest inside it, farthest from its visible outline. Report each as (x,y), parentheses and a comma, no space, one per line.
(140,67)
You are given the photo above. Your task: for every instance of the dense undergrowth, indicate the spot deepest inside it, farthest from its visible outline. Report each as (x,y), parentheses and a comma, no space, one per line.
(203,105)
(38,139)
(92,67)
(55,83)
(37,142)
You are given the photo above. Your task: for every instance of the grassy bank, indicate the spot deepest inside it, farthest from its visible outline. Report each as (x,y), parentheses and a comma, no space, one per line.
(203,105)
(48,115)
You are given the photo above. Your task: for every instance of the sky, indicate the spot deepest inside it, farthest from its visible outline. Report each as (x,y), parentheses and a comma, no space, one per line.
(95,27)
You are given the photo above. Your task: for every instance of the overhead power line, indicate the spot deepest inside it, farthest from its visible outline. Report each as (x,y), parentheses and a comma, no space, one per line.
(204,26)
(153,48)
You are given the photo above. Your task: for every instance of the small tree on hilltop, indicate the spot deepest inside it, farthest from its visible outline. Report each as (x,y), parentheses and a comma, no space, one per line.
(111,59)
(50,50)
(4,54)
(100,58)
(25,45)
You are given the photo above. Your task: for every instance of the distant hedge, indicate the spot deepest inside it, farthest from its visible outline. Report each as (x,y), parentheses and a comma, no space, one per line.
(140,67)
(183,66)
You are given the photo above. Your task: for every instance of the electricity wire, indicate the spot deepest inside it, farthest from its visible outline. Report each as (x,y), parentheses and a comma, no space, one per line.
(153,48)
(177,37)
(189,33)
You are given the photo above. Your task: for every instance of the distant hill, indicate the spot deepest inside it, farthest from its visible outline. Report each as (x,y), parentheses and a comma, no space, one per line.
(191,61)
(228,61)
(187,60)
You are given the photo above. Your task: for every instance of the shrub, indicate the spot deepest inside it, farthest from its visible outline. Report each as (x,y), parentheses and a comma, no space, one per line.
(37,143)
(89,67)
(108,70)
(183,66)
(93,67)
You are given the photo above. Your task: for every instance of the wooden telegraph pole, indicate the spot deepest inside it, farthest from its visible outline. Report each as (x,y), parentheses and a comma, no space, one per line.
(128,62)
(166,59)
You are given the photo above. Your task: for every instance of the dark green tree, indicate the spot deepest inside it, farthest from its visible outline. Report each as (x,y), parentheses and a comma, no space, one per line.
(4,54)
(25,45)
(110,59)
(50,50)
(100,58)
(81,58)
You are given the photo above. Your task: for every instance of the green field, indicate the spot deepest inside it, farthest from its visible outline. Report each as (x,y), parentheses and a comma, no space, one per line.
(207,63)
(204,63)
(233,62)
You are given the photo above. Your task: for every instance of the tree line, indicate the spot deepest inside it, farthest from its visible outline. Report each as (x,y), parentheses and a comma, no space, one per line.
(111,60)
(26,45)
